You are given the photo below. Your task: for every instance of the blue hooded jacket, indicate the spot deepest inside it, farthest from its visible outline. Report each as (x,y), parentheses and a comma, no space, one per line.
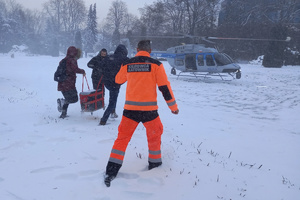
(113,64)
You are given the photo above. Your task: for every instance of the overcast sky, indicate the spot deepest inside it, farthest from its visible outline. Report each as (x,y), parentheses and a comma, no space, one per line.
(102,5)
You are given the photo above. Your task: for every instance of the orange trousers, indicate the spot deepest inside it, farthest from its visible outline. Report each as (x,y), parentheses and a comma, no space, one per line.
(154,130)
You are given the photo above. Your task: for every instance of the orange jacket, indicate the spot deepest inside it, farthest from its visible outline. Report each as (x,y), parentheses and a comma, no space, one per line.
(142,74)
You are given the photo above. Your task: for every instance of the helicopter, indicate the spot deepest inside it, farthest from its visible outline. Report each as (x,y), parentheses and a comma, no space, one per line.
(198,60)
(201,60)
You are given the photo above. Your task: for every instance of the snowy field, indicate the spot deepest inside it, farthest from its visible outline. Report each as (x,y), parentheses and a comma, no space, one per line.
(232,140)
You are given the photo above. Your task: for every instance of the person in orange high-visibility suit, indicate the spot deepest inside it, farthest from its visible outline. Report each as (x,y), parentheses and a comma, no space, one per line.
(143,74)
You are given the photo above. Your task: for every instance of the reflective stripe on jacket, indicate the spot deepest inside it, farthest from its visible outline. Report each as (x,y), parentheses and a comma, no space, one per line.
(143,74)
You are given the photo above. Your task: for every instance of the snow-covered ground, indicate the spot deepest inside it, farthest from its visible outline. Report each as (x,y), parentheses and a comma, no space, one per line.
(235,139)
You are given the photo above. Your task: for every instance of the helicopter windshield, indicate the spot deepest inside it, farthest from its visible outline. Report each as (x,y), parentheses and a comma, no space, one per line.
(222,59)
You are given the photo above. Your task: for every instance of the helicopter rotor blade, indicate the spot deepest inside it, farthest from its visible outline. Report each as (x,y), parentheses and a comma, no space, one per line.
(250,39)
(161,36)
(207,39)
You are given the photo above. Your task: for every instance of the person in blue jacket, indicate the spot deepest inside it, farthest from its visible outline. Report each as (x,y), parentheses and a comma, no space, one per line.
(111,67)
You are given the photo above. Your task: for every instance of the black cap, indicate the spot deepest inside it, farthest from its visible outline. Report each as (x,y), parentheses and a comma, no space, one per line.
(103,50)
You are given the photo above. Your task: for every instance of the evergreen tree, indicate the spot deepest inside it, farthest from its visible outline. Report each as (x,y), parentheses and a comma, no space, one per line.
(91,30)
(94,21)
(5,32)
(50,41)
(275,51)
(78,40)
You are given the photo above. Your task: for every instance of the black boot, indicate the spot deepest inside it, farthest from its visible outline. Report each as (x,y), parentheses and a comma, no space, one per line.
(102,123)
(63,114)
(153,165)
(112,170)
(64,111)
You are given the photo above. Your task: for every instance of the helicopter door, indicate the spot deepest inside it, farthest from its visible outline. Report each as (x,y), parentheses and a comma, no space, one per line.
(190,62)
(200,58)
(210,61)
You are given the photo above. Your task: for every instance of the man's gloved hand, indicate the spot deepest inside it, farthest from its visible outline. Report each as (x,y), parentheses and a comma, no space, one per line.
(175,112)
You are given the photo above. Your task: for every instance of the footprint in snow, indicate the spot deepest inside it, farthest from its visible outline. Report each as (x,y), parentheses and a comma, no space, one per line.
(137,195)
(128,176)
(46,169)
(89,172)
(70,177)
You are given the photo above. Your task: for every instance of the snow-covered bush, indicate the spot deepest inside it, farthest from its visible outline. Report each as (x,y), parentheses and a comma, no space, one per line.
(258,61)
(19,50)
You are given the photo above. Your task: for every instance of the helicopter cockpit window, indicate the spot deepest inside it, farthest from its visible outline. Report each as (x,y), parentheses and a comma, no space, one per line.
(200,60)
(222,59)
(209,60)
(179,62)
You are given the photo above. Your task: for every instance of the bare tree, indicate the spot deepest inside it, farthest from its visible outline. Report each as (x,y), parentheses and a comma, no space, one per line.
(117,15)
(190,17)
(54,9)
(242,12)
(201,14)
(3,9)
(74,15)
(175,14)
(129,22)
(154,18)
(286,11)
(66,15)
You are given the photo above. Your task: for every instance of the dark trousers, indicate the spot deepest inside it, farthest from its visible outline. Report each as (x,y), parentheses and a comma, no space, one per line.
(113,97)
(70,96)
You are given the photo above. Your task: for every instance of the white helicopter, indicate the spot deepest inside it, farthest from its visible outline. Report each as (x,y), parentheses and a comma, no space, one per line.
(197,60)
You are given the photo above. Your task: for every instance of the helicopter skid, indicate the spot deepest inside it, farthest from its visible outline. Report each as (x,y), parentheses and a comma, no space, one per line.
(224,77)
